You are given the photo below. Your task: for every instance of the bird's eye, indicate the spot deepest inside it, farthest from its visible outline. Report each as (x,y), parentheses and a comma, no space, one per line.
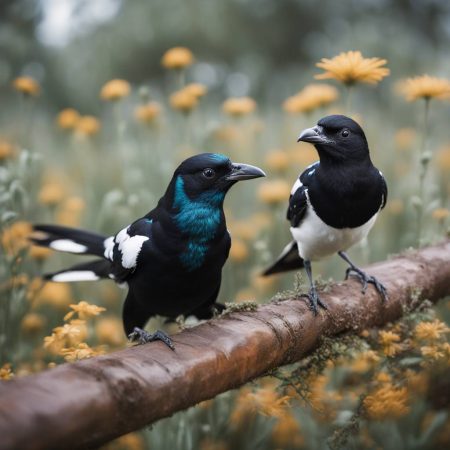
(345,133)
(209,173)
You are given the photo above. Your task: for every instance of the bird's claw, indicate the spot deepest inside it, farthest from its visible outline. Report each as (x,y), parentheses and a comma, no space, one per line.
(315,301)
(365,280)
(142,337)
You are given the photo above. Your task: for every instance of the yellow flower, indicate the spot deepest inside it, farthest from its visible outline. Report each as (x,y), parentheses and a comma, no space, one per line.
(196,89)
(109,331)
(32,323)
(265,401)
(81,351)
(322,399)
(364,362)
(183,101)
(243,409)
(431,331)
(7,150)
(6,372)
(440,214)
(69,335)
(238,251)
(278,161)
(443,159)
(130,441)
(383,377)
(84,311)
(286,432)
(226,133)
(75,204)
(55,294)
(177,58)
(39,253)
(388,341)
(15,237)
(311,97)
(27,85)
(70,211)
(274,192)
(209,444)
(68,118)
(387,402)
(424,87)
(432,352)
(239,106)
(351,67)
(147,113)
(51,194)
(87,126)
(115,90)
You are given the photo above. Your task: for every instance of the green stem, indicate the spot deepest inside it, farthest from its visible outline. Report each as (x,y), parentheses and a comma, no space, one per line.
(348,106)
(424,164)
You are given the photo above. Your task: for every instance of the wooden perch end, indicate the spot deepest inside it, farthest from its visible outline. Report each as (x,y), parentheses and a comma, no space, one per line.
(87,403)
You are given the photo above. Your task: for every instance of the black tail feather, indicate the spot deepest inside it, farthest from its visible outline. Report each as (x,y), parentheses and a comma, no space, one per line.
(88,271)
(71,240)
(288,260)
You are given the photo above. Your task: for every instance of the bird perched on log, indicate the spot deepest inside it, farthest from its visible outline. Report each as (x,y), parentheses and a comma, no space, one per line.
(172,258)
(334,203)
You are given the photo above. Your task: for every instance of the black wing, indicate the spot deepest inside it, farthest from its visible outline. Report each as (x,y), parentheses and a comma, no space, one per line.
(125,247)
(298,200)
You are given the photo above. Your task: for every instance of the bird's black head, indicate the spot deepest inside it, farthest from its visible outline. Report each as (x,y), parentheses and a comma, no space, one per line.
(337,138)
(210,175)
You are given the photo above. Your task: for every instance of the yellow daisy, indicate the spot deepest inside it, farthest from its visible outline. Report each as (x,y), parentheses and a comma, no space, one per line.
(115,90)
(351,67)
(424,87)
(177,58)
(27,85)
(239,106)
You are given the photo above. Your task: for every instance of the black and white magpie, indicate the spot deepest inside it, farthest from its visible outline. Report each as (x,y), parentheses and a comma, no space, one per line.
(172,258)
(334,203)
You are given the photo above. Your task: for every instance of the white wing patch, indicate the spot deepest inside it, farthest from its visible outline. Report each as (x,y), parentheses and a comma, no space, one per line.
(67,245)
(297,185)
(76,275)
(130,247)
(109,247)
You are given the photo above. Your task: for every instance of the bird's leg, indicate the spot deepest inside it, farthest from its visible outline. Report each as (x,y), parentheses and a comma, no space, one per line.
(142,337)
(363,277)
(313,296)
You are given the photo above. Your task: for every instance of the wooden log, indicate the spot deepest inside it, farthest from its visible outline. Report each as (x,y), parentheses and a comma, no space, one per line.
(87,403)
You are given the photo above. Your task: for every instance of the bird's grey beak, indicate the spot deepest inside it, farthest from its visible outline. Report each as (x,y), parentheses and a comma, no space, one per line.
(244,172)
(313,135)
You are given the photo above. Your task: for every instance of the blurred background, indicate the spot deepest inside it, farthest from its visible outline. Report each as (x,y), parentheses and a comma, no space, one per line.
(94,118)
(263,48)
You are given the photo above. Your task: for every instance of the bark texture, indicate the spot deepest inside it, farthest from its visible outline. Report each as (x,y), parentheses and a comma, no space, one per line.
(87,403)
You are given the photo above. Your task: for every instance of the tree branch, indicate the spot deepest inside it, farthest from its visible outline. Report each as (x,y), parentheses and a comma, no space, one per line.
(87,403)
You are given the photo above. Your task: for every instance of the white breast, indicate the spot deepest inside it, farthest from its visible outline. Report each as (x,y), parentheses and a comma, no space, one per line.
(316,239)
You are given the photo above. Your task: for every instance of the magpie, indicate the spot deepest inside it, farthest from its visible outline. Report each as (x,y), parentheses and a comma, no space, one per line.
(334,203)
(172,258)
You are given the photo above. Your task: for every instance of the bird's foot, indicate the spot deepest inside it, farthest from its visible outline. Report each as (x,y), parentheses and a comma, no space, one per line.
(365,280)
(315,301)
(142,337)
